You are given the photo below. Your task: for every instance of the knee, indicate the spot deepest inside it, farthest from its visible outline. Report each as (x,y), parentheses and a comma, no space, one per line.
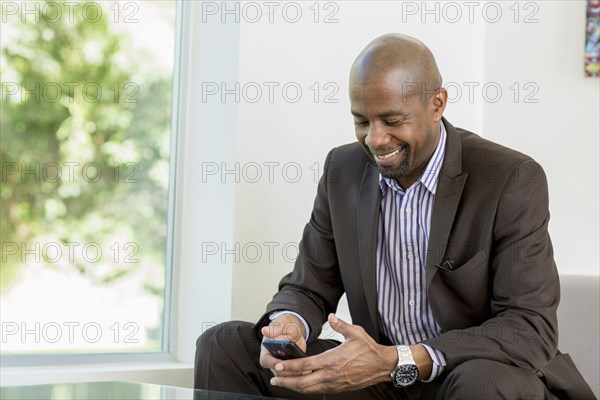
(219,349)
(225,335)
(487,379)
(209,335)
(476,370)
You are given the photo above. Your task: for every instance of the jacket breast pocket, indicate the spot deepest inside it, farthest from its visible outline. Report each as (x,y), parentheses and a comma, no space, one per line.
(465,291)
(471,266)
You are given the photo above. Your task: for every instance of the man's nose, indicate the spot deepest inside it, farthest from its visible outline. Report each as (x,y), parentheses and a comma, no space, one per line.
(377,136)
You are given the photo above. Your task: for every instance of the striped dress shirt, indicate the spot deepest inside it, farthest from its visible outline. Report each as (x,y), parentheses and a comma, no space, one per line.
(403,235)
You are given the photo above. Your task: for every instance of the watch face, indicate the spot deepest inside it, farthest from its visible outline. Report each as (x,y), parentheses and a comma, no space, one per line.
(405,375)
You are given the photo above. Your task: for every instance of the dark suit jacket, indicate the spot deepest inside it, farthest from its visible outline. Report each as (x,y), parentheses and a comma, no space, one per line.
(490,217)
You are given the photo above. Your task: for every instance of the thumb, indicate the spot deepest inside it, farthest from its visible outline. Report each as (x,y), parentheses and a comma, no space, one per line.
(265,331)
(269,331)
(340,326)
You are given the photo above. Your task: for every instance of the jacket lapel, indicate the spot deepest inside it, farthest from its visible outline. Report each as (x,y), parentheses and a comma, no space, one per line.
(448,193)
(368,221)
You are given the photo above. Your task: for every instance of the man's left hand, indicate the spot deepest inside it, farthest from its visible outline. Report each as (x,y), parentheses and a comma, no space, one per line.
(355,364)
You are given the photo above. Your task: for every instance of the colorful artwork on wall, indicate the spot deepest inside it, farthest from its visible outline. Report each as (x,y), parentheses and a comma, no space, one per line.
(592,39)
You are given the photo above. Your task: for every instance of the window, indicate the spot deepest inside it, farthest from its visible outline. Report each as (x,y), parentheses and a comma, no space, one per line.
(86,176)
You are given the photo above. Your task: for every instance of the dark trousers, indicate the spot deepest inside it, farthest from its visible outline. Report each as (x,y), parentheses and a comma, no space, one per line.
(227,359)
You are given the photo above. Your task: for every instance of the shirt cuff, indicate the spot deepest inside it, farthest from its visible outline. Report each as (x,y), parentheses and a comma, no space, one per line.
(278,313)
(439,362)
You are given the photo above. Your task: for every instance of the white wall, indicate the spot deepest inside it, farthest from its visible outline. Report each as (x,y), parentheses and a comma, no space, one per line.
(560,131)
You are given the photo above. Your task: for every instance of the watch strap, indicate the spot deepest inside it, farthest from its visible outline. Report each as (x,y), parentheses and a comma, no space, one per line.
(404,355)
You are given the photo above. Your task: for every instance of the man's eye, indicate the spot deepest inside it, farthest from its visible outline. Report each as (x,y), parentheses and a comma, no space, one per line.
(361,123)
(393,122)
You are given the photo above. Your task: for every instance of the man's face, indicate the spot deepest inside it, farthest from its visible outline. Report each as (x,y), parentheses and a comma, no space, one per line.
(396,128)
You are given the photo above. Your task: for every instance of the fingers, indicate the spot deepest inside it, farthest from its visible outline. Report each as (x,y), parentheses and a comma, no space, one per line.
(322,373)
(291,367)
(268,361)
(304,365)
(315,382)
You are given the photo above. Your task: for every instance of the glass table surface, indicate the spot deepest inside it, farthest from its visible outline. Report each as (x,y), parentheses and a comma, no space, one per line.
(113,391)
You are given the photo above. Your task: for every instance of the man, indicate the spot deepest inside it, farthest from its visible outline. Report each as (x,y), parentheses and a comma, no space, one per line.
(439,239)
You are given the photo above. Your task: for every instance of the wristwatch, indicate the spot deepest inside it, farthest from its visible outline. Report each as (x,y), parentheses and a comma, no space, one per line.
(406,373)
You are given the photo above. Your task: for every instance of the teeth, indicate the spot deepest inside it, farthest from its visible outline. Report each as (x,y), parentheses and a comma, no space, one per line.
(393,153)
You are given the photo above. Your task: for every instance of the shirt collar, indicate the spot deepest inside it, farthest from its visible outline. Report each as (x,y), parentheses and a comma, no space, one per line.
(430,176)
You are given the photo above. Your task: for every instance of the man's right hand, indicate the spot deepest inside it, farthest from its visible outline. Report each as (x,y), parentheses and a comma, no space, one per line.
(284,327)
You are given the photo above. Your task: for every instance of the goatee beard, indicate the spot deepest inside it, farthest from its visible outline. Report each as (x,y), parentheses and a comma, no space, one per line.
(394,173)
(402,171)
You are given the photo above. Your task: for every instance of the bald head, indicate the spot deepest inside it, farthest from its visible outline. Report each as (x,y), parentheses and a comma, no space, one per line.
(408,58)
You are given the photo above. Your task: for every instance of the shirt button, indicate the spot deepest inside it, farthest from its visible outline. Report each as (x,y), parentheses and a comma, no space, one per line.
(408,210)
(411,302)
(410,256)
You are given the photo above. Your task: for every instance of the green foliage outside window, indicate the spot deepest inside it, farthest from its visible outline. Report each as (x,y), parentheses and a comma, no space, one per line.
(85,144)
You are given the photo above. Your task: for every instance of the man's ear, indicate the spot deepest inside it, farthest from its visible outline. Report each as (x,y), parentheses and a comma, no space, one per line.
(438,101)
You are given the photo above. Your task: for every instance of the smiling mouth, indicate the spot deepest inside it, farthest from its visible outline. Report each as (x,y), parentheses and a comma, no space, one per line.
(388,160)
(389,155)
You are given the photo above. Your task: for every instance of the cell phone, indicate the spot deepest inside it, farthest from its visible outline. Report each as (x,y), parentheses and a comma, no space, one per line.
(283,349)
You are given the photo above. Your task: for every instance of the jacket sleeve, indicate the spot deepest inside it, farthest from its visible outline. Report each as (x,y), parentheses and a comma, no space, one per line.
(314,286)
